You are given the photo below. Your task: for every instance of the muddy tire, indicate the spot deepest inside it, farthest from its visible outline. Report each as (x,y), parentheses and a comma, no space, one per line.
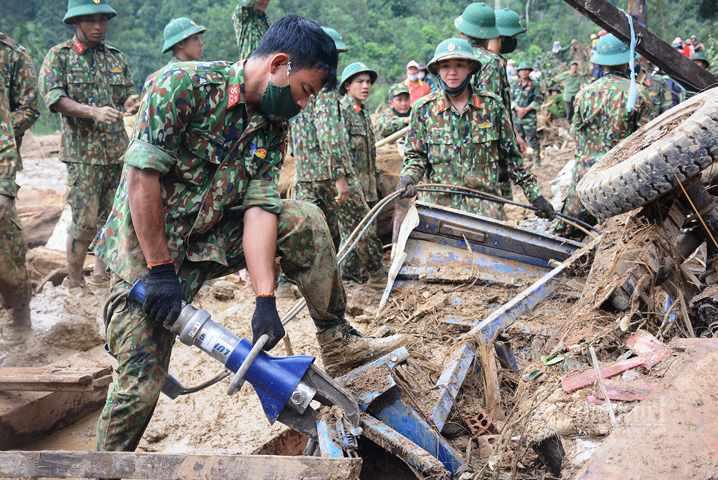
(675,146)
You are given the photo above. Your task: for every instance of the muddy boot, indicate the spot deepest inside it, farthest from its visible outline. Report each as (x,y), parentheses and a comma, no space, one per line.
(19,328)
(343,348)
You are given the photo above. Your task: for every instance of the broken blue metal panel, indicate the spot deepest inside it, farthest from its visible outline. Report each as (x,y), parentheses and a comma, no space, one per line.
(421,462)
(391,360)
(390,409)
(429,260)
(490,236)
(327,447)
(450,382)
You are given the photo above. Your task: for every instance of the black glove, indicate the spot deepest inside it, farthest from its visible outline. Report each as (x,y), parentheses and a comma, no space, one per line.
(266,320)
(163,295)
(408,187)
(545,209)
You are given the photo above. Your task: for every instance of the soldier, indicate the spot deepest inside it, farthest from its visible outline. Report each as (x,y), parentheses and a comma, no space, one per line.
(321,152)
(367,259)
(526,102)
(509,27)
(700,59)
(477,23)
(396,116)
(184,38)
(459,136)
(18,111)
(199,199)
(88,82)
(250,24)
(20,79)
(571,83)
(601,118)
(659,93)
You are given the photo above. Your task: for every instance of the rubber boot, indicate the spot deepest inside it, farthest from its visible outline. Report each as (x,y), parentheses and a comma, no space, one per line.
(99,279)
(76,253)
(343,348)
(19,328)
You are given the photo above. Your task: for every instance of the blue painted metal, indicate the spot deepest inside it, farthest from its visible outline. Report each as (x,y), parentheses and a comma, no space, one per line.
(391,360)
(429,260)
(491,236)
(380,366)
(424,464)
(390,409)
(450,382)
(327,447)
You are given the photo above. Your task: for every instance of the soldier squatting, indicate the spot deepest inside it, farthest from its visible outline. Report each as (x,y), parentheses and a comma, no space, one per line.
(193,194)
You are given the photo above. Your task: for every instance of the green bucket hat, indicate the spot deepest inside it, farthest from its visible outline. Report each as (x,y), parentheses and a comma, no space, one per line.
(355,69)
(80,8)
(453,48)
(611,51)
(337,37)
(179,29)
(398,89)
(524,66)
(508,23)
(701,56)
(478,21)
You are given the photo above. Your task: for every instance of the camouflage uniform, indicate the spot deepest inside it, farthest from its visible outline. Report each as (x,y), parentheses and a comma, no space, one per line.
(20,84)
(322,155)
(659,94)
(464,149)
(528,95)
(14,285)
(215,160)
(600,122)
(97,76)
(367,257)
(250,25)
(389,122)
(493,78)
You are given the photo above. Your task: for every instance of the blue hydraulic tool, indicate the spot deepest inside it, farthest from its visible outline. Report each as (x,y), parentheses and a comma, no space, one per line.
(285,386)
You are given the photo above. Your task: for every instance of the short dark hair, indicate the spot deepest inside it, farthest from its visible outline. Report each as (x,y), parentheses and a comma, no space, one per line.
(307,45)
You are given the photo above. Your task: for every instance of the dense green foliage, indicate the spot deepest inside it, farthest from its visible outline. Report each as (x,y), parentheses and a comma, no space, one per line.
(383,33)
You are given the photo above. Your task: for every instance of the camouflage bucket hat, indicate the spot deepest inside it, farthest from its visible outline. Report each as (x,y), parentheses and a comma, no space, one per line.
(398,89)
(179,29)
(80,8)
(453,48)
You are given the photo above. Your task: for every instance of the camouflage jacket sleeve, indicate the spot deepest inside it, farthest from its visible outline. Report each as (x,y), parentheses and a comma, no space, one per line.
(537,97)
(23,94)
(416,154)
(332,135)
(130,88)
(161,122)
(52,79)
(511,156)
(388,123)
(644,106)
(8,150)
(250,25)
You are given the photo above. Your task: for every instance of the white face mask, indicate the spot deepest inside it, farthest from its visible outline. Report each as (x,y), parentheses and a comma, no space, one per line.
(412,76)
(421,75)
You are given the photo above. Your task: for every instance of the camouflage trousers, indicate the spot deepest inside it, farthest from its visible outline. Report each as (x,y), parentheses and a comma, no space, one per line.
(466,204)
(322,194)
(14,284)
(572,205)
(90,193)
(368,255)
(142,349)
(528,130)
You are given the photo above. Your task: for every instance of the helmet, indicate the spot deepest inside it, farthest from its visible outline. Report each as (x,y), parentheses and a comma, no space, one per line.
(610,51)
(337,37)
(700,55)
(524,66)
(79,8)
(508,24)
(398,89)
(179,29)
(477,21)
(355,69)
(453,48)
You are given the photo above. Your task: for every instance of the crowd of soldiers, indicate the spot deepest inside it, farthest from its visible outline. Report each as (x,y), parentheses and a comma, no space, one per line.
(193,195)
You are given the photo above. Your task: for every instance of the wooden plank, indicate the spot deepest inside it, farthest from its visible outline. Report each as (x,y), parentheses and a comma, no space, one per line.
(650,46)
(492,386)
(24,416)
(50,379)
(156,466)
